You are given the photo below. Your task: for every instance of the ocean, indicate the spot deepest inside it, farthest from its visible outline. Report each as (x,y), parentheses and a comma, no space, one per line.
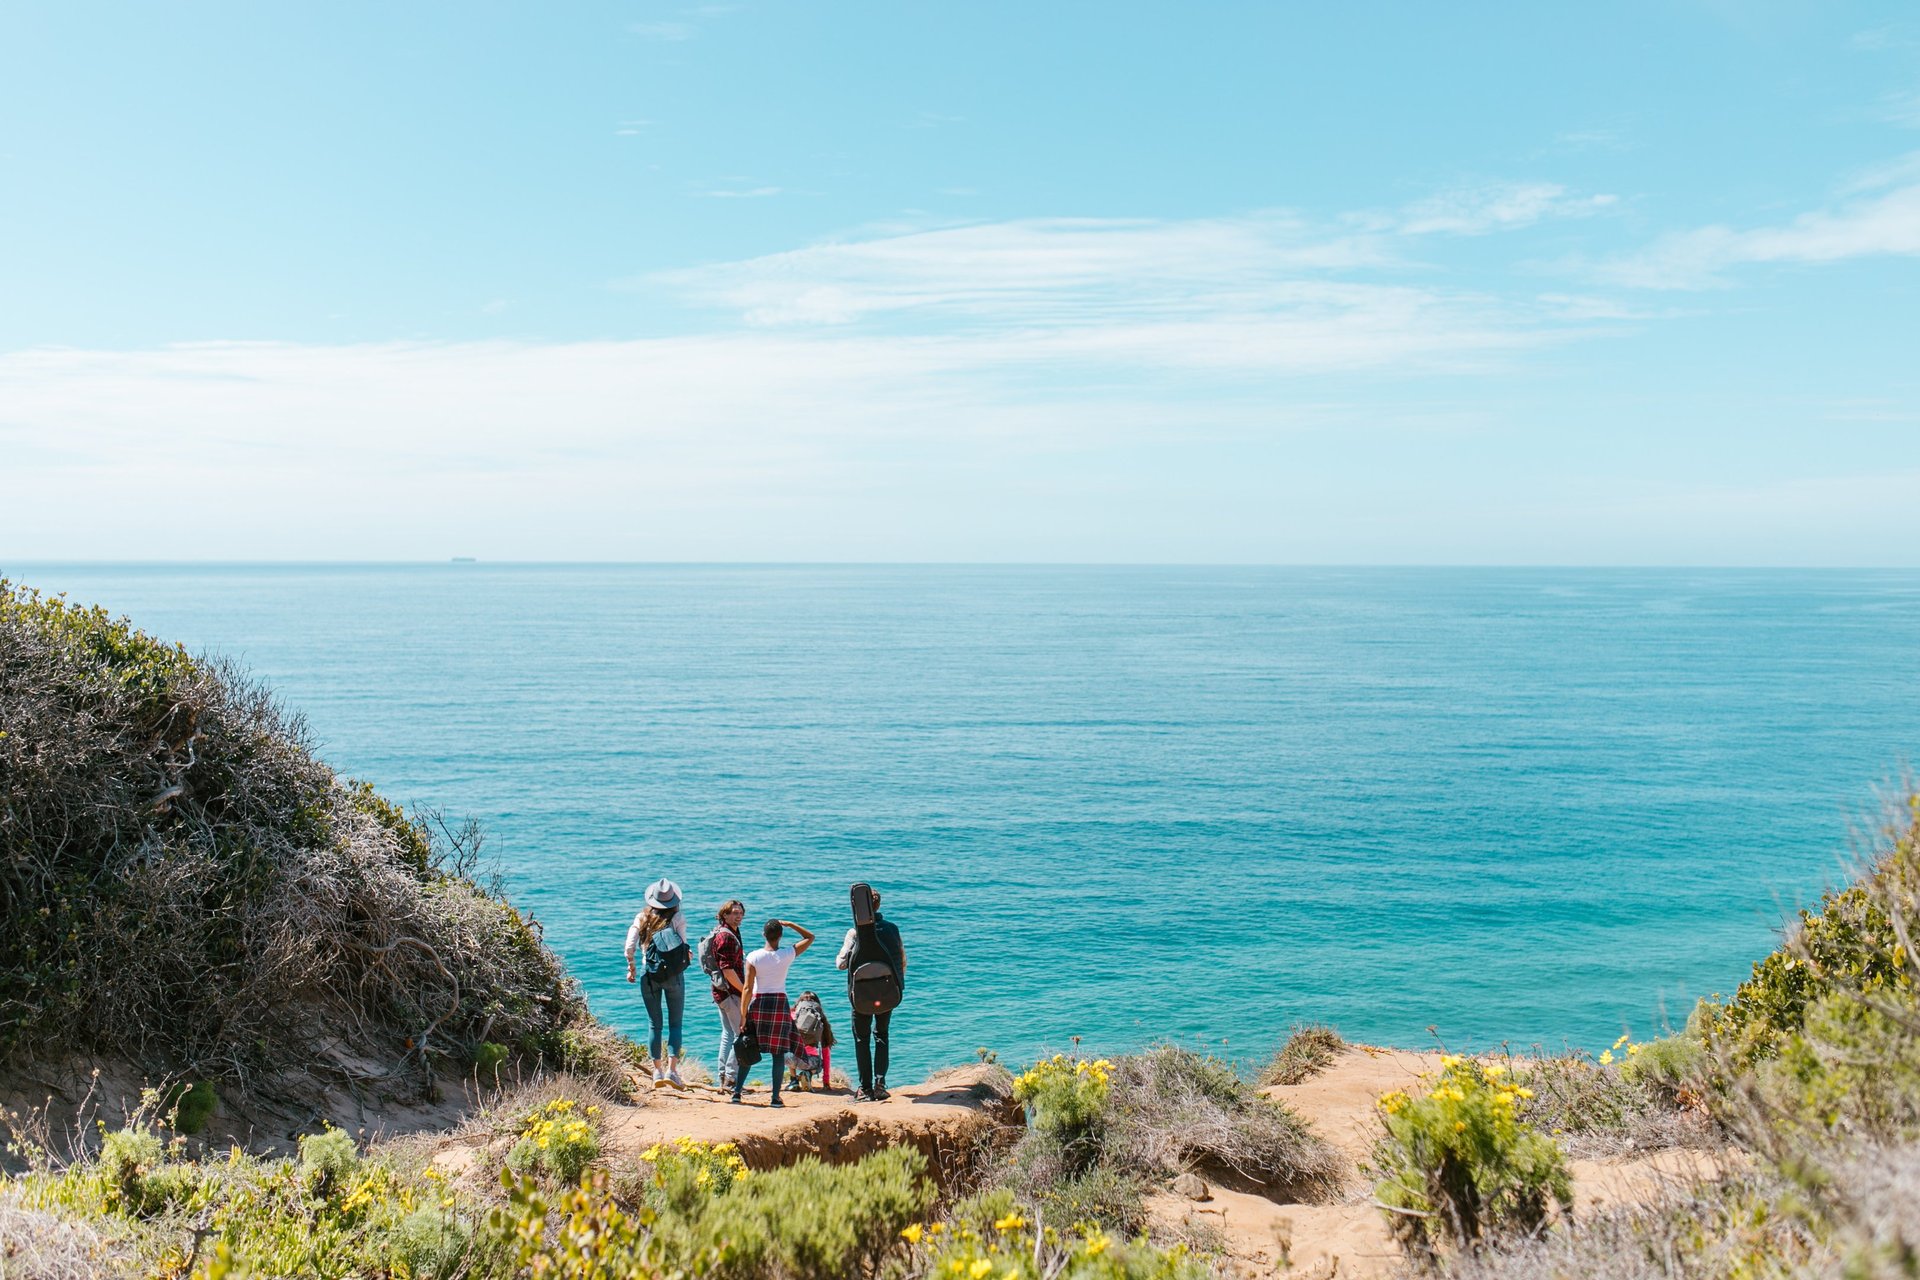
(1532,806)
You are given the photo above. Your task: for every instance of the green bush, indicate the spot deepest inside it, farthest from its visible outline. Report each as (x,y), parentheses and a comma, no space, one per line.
(274,905)
(1065,1096)
(991,1236)
(1849,943)
(682,1175)
(188,1107)
(1308,1051)
(431,1244)
(558,1140)
(328,1158)
(1458,1165)
(584,1234)
(1668,1068)
(808,1221)
(128,1158)
(488,1059)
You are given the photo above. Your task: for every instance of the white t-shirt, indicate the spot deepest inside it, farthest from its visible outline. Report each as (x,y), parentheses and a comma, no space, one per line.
(770,970)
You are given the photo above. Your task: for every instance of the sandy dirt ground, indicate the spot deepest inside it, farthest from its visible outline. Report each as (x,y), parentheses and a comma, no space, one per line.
(945,1119)
(1349,1238)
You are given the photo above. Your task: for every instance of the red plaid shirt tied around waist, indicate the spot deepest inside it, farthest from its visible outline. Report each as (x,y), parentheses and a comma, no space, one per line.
(772,1024)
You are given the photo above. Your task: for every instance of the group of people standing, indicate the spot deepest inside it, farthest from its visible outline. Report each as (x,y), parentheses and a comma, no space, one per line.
(749,990)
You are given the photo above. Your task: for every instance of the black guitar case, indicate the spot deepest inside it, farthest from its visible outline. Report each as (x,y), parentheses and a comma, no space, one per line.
(872,984)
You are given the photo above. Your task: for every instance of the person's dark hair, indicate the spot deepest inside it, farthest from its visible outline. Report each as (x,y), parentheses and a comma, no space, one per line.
(727,907)
(771,930)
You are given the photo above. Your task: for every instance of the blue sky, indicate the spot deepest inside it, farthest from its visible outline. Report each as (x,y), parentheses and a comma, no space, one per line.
(1633,283)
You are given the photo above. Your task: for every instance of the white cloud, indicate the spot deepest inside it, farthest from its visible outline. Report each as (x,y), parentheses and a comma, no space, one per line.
(740,193)
(1499,206)
(895,381)
(668,31)
(1052,272)
(1878,225)
(1901,108)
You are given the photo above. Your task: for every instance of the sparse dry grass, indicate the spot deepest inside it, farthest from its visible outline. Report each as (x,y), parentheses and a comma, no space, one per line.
(1173,1110)
(1309,1050)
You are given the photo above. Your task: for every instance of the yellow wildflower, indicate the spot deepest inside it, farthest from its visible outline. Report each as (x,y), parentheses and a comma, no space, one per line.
(1097,1243)
(1606,1058)
(1525,1093)
(980,1269)
(1624,1037)
(911,1233)
(1012,1222)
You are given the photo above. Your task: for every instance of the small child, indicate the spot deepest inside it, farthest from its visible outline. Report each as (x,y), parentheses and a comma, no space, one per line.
(811,1063)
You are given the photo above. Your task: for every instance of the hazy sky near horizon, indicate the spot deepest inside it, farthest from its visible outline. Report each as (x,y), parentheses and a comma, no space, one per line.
(1500,283)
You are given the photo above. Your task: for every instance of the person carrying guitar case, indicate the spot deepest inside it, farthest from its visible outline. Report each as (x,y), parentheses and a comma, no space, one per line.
(876,965)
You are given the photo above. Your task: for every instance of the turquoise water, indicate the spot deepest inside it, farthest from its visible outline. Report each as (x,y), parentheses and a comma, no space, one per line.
(1124,804)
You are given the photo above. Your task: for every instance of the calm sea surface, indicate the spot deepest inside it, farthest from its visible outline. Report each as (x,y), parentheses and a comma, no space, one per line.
(1123,804)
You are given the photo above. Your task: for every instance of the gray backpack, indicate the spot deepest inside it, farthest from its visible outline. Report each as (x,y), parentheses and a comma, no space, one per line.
(809,1019)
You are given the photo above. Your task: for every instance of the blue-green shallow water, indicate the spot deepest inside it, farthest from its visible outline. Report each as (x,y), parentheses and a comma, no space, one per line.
(1125,804)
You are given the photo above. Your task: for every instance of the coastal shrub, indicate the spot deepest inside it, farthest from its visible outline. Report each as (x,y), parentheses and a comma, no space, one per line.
(329,1158)
(128,1157)
(1172,1110)
(1673,1069)
(1849,943)
(683,1174)
(1309,1050)
(188,1107)
(1745,1229)
(1065,1097)
(1458,1165)
(807,1221)
(1105,1132)
(431,1244)
(992,1237)
(557,1140)
(163,807)
(1603,1106)
(1823,1043)
(583,1233)
(488,1057)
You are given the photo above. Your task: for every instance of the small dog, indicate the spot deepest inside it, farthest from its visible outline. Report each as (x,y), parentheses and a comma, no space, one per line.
(811,1066)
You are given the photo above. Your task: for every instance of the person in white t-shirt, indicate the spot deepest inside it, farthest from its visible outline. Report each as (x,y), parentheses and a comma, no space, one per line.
(764,997)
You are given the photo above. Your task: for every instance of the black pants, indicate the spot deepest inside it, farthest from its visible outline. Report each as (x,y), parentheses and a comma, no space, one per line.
(870,1046)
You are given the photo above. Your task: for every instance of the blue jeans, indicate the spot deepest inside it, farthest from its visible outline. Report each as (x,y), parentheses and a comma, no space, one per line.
(779,1061)
(729,1028)
(675,990)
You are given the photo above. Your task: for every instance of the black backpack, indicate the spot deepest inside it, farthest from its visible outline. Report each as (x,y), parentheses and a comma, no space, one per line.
(873,984)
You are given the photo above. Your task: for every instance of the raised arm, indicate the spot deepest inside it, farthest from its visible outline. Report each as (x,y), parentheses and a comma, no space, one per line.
(806,938)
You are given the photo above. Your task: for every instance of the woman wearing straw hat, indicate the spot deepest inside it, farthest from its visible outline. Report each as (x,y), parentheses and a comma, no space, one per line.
(658,936)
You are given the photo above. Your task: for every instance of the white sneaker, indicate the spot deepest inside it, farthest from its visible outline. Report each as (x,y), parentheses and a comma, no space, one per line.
(673,1078)
(659,1077)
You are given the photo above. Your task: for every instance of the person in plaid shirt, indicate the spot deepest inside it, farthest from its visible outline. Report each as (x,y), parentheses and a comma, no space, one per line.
(725,960)
(765,998)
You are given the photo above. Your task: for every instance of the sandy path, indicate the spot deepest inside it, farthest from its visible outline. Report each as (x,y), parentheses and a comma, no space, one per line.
(1350,1238)
(943,1119)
